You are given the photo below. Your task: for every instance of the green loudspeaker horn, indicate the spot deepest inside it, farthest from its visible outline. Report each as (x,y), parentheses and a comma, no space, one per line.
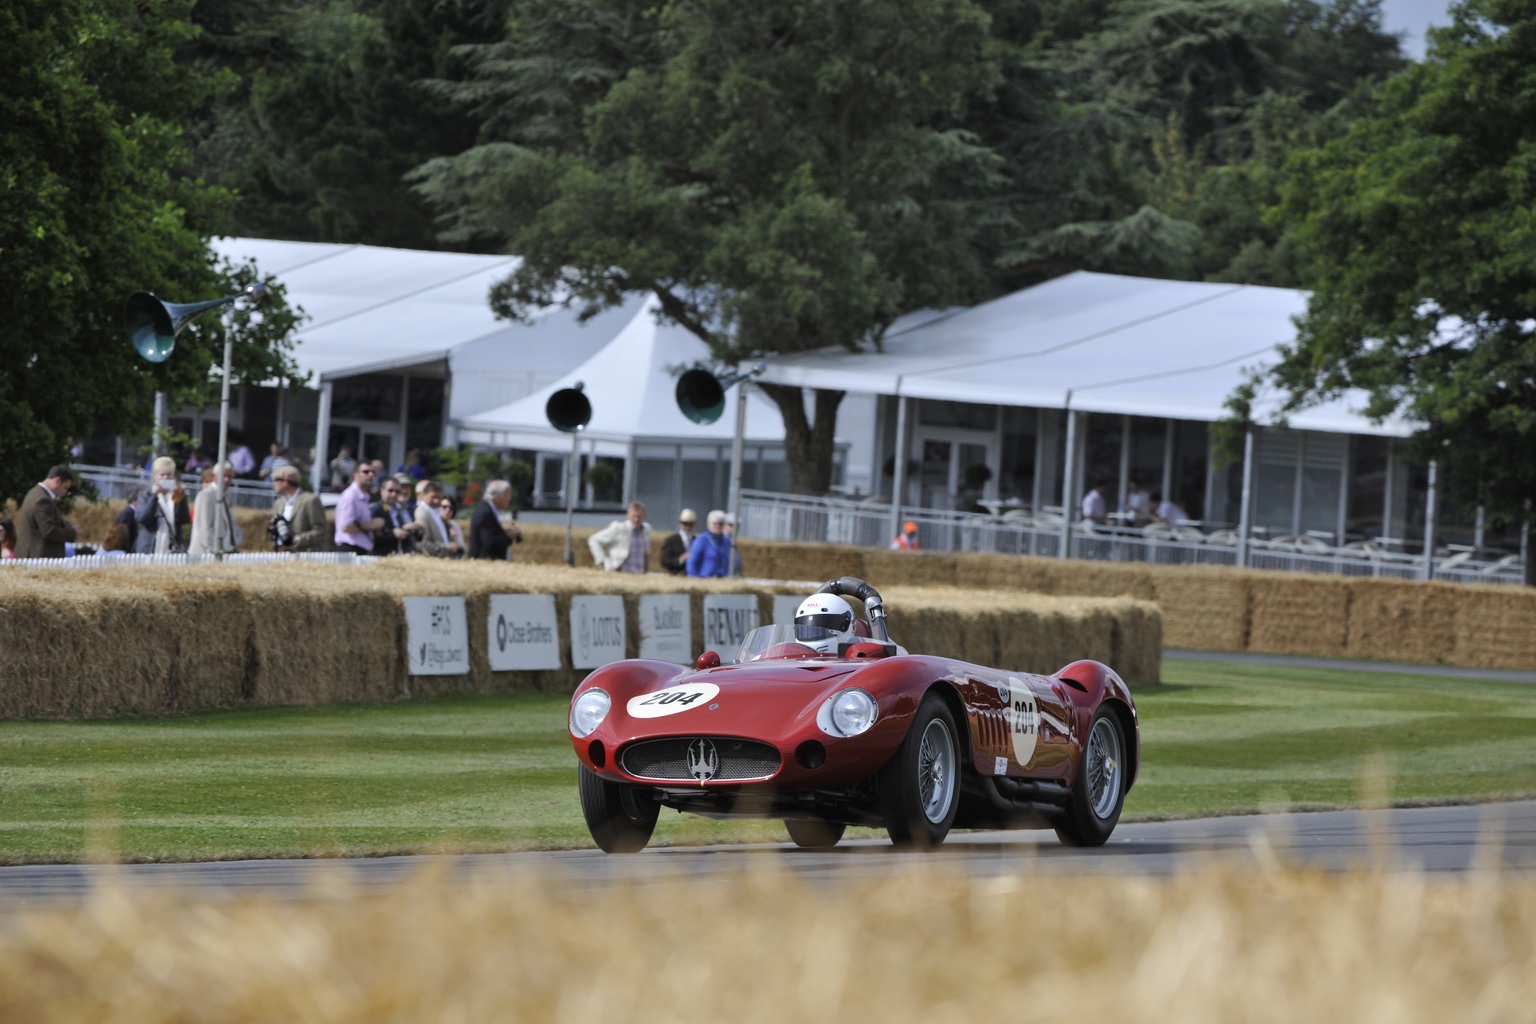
(701,395)
(152,324)
(568,409)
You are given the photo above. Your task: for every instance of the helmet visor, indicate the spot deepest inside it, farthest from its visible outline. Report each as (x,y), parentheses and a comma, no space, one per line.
(820,627)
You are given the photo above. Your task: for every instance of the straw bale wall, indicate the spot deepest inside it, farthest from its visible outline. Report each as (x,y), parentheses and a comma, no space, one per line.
(1224,609)
(144,639)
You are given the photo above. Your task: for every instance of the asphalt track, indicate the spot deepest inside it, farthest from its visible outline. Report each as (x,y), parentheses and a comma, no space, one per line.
(1429,839)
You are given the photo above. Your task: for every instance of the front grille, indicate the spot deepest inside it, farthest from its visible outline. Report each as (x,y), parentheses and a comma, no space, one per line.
(667,760)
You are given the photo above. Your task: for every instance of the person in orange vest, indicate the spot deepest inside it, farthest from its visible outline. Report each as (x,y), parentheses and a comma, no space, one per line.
(906,540)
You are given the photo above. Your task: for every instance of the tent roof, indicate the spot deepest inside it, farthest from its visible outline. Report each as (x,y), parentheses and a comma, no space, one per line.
(1092,342)
(372,309)
(631,384)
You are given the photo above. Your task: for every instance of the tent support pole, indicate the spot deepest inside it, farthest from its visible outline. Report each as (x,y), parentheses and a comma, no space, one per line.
(570,495)
(1427,571)
(736,447)
(1068,481)
(1244,514)
(898,467)
(323,438)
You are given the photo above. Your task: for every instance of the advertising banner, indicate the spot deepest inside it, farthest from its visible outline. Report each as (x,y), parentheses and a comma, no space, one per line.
(522,633)
(728,618)
(597,630)
(437,636)
(666,628)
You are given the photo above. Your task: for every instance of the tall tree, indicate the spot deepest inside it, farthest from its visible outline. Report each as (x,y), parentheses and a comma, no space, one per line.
(782,177)
(1419,233)
(1174,116)
(329,112)
(92,207)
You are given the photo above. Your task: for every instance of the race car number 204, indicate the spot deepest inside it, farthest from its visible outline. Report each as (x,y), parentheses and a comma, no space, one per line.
(671,700)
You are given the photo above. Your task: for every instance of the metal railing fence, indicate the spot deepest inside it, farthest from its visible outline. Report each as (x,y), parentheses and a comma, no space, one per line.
(767,515)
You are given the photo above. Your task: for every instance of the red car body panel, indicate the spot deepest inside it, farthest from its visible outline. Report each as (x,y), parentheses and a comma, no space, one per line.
(1013,724)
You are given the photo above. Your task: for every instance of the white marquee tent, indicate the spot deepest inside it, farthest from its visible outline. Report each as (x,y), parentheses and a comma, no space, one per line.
(1098,343)
(631,383)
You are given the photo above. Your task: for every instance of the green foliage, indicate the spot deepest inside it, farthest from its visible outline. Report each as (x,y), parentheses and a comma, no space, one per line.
(465,471)
(783,177)
(1419,233)
(330,112)
(94,205)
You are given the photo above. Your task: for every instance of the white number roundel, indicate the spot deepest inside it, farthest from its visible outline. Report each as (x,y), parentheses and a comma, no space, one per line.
(671,700)
(1024,722)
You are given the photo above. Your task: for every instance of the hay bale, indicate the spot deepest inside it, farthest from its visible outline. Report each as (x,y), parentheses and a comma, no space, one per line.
(1495,627)
(1137,641)
(911,568)
(1402,620)
(213,645)
(1294,613)
(83,646)
(1204,607)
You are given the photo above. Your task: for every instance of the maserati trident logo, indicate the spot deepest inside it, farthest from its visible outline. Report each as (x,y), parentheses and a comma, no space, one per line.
(703,760)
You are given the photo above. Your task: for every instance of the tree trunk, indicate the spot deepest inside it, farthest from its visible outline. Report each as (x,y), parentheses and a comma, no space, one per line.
(808,446)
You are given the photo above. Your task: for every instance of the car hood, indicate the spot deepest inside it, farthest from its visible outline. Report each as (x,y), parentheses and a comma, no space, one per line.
(755,699)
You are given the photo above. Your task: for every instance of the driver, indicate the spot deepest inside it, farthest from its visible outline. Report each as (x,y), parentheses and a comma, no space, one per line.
(824,622)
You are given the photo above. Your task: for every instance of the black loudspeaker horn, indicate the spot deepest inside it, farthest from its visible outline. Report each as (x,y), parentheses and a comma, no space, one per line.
(152,324)
(568,409)
(701,395)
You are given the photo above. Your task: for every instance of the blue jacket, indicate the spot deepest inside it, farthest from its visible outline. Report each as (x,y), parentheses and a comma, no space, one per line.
(709,555)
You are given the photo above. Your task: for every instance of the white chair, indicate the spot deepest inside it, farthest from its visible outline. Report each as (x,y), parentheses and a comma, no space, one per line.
(1507,562)
(1188,534)
(1223,538)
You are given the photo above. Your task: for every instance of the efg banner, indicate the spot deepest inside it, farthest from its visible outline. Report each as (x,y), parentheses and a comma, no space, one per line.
(597,630)
(436,636)
(728,618)
(666,629)
(522,632)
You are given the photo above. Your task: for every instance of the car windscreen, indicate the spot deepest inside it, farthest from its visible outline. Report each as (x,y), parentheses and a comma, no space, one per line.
(764,639)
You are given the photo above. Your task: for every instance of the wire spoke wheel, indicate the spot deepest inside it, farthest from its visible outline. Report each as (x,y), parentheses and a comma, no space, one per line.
(1103,766)
(936,771)
(1098,793)
(920,788)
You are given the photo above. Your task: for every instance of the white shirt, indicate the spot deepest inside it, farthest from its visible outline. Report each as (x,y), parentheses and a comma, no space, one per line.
(1093,506)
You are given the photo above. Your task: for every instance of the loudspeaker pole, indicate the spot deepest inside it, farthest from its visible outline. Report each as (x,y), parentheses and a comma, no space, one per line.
(737,443)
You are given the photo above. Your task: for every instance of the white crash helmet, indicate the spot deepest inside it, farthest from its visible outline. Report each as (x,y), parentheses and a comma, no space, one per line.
(824,622)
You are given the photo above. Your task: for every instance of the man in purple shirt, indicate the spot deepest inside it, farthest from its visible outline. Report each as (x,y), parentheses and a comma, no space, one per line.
(354,522)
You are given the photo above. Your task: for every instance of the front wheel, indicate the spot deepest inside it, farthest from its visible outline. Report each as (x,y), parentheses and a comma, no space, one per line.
(621,818)
(920,788)
(1098,793)
(815,835)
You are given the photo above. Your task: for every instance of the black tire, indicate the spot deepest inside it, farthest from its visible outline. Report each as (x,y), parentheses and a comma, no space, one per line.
(621,818)
(920,789)
(815,835)
(1098,793)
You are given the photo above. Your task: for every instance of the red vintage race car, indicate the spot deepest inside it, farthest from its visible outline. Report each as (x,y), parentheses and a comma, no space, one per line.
(862,733)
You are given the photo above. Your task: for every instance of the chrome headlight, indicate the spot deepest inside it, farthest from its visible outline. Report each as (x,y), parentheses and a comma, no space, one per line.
(847,713)
(588,712)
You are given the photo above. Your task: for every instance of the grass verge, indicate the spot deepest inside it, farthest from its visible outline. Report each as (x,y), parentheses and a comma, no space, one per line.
(484,774)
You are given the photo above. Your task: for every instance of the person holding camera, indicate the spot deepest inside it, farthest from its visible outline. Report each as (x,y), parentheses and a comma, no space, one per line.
(161,512)
(298,519)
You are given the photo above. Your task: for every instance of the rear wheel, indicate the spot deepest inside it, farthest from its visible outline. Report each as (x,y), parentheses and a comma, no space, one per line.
(621,818)
(1098,794)
(815,835)
(920,788)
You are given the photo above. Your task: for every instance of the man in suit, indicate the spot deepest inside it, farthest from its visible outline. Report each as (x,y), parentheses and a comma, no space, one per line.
(674,550)
(399,532)
(41,531)
(307,526)
(487,537)
(435,538)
